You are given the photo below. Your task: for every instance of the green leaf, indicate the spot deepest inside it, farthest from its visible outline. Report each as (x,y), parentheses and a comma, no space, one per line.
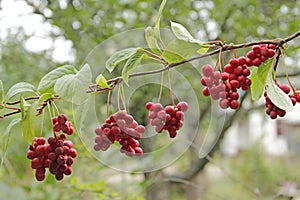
(6,137)
(19,88)
(119,57)
(161,8)
(72,87)
(152,40)
(45,96)
(258,78)
(130,65)
(101,81)
(28,113)
(277,96)
(47,83)
(1,93)
(203,50)
(182,33)
(178,50)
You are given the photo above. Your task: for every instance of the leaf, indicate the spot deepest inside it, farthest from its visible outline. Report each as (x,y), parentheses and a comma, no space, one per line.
(101,81)
(277,96)
(203,50)
(47,83)
(130,65)
(119,57)
(161,8)
(178,50)
(28,113)
(72,87)
(19,88)
(1,92)
(258,78)
(6,137)
(182,33)
(45,96)
(152,40)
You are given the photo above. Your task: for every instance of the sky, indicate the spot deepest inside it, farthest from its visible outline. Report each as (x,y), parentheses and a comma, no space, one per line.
(16,13)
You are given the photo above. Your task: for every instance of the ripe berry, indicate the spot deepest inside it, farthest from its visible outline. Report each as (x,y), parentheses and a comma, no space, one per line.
(183,106)
(121,127)
(234,104)
(207,70)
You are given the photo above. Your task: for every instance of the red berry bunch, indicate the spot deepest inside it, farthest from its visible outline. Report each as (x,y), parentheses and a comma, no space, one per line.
(272,110)
(170,118)
(120,127)
(61,154)
(61,123)
(260,53)
(57,155)
(39,157)
(213,81)
(224,85)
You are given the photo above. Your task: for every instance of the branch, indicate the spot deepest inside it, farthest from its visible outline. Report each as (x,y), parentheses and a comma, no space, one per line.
(223,48)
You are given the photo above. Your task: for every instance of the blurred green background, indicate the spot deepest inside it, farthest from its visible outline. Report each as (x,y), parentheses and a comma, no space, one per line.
(38,36)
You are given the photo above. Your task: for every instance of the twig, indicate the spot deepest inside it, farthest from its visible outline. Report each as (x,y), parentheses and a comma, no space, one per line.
(223,48)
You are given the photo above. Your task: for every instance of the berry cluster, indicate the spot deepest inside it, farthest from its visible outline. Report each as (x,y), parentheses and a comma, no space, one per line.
(61,123)
(260,53)
(57,155)
(37,153)
(61,154)
(272,110)
(170,118)
(123,128)
(224,85)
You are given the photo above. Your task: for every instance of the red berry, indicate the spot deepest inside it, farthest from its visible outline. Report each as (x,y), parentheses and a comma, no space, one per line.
(297,97)
(149,105)
(228,68)
(273,114)
(251,55)
(225,76)
(256,62)
(205,91)
(234,83)
(183,106)
(234,62)
(224,103)
(207,70)
(242,61)
(285,88)
(234,104)
(256,49)
(62,119)
(40,177)
(234,96)
(56,127)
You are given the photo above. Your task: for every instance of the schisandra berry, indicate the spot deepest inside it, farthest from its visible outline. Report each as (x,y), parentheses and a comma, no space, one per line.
(61,123)
(57,155)
(170,118)
(39,158)
(260,53)
(225,85)
(272,110)
(61,153)
(120,127)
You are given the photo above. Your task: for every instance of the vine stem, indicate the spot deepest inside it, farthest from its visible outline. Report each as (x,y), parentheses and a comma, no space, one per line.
(223,48)
(170,86)
(161,87)
(108,103)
